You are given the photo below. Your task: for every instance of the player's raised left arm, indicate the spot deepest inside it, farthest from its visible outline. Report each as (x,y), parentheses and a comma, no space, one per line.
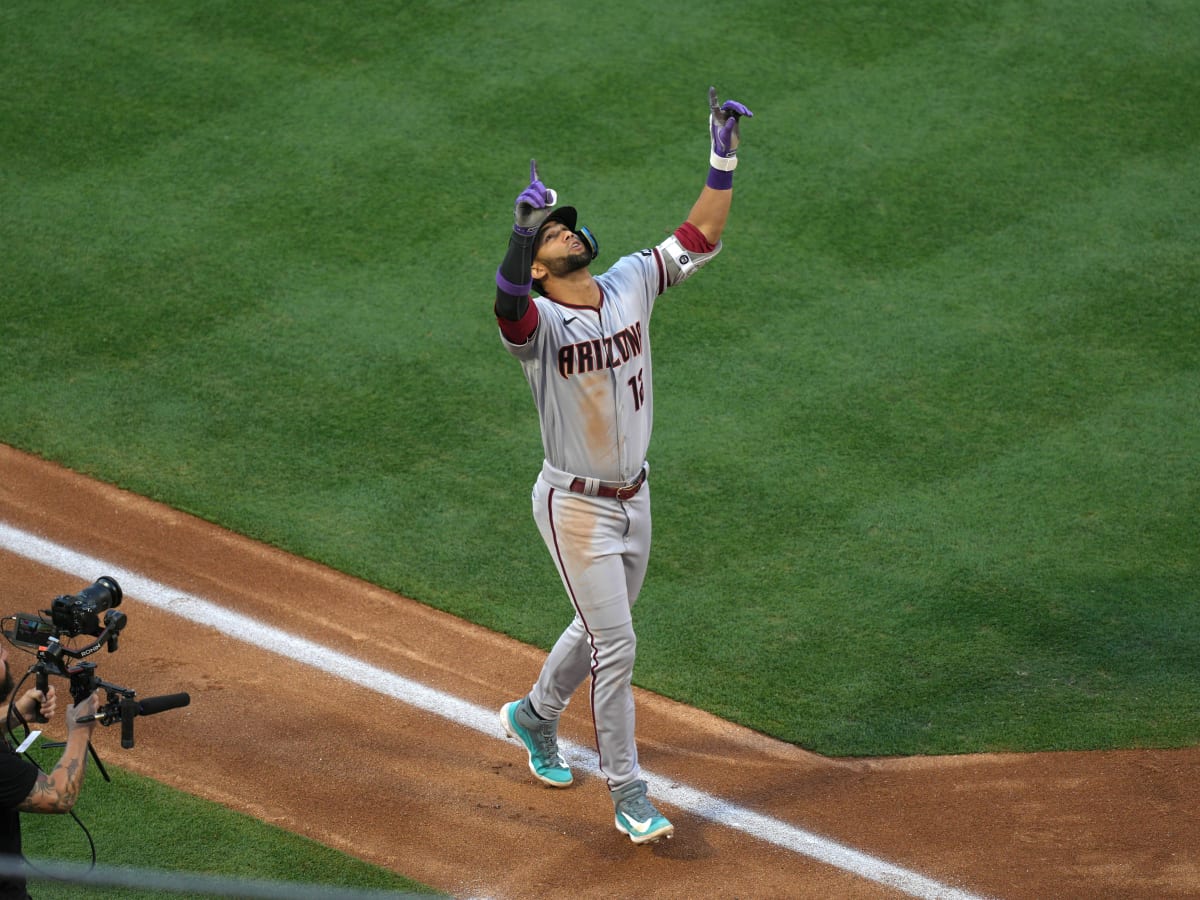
(513,279)
(516,315)
(711,209)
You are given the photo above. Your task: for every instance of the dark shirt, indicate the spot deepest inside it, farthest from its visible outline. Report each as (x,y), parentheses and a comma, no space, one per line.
(17,778)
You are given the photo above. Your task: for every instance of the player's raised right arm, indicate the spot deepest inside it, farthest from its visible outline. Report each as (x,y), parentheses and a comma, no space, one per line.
(711,209)
(513,278)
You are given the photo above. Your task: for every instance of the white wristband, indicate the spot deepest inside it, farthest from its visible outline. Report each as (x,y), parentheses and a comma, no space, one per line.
(724,163)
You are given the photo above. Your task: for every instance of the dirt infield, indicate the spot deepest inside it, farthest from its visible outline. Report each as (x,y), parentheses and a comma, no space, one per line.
(457,809)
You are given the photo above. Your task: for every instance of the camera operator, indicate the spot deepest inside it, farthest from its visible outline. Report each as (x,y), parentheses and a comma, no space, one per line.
(24,787)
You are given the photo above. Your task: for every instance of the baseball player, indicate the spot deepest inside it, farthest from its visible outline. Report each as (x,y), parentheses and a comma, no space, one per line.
(584,346)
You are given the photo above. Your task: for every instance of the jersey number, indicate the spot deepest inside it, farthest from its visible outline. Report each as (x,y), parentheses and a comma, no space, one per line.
(639,390)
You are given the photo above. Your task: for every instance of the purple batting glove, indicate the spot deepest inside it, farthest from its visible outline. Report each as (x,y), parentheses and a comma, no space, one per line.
(533,204)
(723,127)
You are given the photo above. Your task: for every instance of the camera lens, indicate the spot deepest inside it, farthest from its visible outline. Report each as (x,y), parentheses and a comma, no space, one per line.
(104,594)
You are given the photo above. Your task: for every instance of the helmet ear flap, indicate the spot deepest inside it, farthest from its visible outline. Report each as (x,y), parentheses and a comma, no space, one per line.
(585,235)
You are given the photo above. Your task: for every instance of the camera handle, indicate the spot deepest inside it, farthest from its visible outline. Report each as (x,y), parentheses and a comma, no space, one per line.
(128,707)
(42,682)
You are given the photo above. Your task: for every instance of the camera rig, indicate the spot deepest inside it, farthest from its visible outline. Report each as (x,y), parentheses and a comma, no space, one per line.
(72,615)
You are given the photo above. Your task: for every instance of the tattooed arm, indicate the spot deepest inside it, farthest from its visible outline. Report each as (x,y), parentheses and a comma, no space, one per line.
(58,791)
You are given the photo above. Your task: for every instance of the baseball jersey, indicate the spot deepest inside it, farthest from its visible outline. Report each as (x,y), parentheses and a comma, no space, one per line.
(589,369)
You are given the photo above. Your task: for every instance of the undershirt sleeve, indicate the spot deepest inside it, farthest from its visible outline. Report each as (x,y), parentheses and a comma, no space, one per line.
(519,331)
(513,280)
(693,238)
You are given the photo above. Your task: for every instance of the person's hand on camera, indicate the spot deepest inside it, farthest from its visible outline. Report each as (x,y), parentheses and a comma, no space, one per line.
(34,700)
(88,706)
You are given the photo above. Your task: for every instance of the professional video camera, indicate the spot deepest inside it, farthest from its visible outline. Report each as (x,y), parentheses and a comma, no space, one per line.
(73,615)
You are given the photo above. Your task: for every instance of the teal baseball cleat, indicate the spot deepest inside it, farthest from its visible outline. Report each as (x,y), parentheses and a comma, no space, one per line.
(540,738)
(637,817)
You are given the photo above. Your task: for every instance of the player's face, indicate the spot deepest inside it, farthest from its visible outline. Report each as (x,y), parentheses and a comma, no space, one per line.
(561,251)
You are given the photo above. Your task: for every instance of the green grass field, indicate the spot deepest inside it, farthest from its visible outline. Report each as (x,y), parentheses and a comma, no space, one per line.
(925,457)
(138,824)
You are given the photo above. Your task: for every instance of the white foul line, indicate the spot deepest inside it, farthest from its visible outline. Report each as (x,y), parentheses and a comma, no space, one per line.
(455,709)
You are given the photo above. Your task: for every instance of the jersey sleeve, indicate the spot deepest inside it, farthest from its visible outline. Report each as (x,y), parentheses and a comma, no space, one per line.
(684,253)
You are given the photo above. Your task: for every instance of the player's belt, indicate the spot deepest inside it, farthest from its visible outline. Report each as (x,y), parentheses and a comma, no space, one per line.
(594,488)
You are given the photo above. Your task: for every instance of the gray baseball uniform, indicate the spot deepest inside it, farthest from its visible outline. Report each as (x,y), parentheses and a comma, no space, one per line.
(591,377)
